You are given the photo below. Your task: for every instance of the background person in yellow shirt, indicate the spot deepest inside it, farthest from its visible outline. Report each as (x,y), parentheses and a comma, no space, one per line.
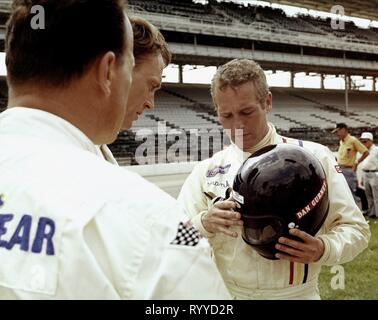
(346,155)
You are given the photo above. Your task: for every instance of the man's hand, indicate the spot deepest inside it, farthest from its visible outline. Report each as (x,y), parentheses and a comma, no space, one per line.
(354,167)
(310,250)
(221,217)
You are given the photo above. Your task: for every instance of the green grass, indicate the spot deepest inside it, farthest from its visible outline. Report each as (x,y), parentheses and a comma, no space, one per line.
(361,274)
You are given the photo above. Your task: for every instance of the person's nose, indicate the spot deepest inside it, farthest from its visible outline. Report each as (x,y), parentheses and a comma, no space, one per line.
(238,123)
(150,103)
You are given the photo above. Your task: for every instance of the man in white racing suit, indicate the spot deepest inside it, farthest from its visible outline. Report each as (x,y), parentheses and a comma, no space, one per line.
(73,226)
(242,99)
(152,55)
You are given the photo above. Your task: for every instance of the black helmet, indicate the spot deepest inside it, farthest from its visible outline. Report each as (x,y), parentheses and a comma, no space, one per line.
(278,188)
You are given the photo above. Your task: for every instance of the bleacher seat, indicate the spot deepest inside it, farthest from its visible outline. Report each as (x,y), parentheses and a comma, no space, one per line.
(229,13)
(301,113)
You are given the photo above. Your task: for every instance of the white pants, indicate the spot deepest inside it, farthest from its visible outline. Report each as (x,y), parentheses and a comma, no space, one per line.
(371,191)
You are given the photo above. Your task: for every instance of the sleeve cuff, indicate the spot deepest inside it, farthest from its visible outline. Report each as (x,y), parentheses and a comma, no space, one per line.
(327,250)
(197,222)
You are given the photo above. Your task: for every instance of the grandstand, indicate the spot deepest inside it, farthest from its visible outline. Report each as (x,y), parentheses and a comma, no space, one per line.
(309,113)
(218,31)
(232,14)
(213,33)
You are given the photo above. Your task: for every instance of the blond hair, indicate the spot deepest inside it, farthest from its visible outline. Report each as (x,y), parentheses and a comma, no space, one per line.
(148,40)
(238,72)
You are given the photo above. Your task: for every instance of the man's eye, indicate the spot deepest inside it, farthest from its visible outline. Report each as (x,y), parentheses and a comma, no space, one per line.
(155,88)
(225,115)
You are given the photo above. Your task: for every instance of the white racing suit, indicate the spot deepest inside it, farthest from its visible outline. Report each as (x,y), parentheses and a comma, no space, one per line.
(73,226)
(247,275)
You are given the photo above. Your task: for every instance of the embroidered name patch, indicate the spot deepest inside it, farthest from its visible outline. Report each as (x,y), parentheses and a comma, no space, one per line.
(21,237)
(30,245)
(220,170)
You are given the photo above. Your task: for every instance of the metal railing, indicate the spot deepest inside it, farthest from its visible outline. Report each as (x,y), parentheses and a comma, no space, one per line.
(256,31)
(274,57)
(5,5)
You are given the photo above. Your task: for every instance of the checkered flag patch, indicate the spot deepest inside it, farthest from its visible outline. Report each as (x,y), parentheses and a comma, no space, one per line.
(187,235)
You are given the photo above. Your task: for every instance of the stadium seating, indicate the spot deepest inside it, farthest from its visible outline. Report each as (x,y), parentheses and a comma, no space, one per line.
(308,114)
(185,8)
(256,16)
(182,109)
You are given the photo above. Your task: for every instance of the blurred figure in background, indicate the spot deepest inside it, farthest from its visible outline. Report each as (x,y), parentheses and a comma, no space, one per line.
(346,155)
(370,174)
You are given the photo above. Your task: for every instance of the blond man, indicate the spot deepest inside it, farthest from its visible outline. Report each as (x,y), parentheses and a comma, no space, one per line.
(242,99)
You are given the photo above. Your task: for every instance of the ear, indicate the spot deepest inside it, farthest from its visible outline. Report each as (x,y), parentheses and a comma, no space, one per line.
(106,69)
(268,102)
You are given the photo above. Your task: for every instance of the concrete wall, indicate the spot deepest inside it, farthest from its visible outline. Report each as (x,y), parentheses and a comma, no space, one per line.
(168,177)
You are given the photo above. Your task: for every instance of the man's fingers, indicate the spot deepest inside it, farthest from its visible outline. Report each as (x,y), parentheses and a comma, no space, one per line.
(292,243)
(289,250)
(228,232)
(311,250)
(214,223)
(301,234)
(229,222)
(225,205)
(232,215)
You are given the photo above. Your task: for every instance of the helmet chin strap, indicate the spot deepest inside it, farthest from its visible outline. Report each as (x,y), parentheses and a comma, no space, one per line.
(214,198)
